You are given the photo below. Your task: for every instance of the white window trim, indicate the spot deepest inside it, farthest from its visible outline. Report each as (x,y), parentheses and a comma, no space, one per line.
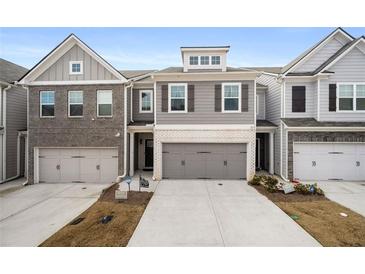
(186,98)
(41,104)
(239,98)
(257,104)
(211,62)
(69,103)
(354,84)
(200,60)
(81,68)
(140,100)
(97,104)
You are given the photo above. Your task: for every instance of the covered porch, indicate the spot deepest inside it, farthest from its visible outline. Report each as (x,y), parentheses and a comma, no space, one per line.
(264,158)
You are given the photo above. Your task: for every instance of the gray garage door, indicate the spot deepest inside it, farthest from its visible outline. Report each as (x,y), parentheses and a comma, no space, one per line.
(204,161)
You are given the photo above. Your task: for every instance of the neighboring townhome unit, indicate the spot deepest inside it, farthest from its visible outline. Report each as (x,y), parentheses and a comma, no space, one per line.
(318,101)
(13,122)
(76,116)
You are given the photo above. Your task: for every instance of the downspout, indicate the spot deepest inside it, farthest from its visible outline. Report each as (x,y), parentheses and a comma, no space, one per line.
(3,109)
(132,102)
(120,177)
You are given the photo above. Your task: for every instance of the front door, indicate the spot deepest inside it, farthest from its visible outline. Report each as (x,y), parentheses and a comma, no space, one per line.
(148,150)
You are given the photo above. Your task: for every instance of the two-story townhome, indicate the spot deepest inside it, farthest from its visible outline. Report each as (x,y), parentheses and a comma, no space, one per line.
(89,122)
(13,122)
(318,103)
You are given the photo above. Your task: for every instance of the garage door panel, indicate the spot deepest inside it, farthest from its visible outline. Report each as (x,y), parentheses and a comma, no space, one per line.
(236,166)
(89,169)
(108,169)
(195,165)
(48,171)
(69,169)
(215,166)
(172,167)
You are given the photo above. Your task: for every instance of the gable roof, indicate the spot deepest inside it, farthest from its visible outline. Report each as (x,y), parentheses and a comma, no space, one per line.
(10,72)
(286,69)
(275,70)
(181,70)
(130,74)
(62,48)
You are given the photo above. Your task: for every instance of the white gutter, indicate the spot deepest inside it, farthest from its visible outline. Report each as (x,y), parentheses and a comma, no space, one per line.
(120,177)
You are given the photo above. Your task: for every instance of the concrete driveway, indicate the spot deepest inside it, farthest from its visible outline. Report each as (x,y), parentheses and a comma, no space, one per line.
(29,215)
(348,194)
(204,213)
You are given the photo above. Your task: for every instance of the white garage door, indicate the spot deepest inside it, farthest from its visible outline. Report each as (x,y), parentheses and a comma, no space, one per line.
(329,161)
(89,165)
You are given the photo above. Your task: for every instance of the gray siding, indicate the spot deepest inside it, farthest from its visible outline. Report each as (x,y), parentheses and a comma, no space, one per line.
(351,68)
(137,116)
(59,71)
(88,131)
(322,54)
(204,107)
(310,100)
(16,119)
(260,105)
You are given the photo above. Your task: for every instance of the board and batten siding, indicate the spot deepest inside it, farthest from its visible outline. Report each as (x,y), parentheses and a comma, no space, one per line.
(137,115)
(351,68)
(16,120)
(310,100)
(273,112)
(204,107)
(322,54)
(92,70)
(260,105)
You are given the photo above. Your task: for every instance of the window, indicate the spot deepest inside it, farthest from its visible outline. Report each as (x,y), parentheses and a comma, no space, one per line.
(204,60)
(298,99)
(346,97)
(194,60)
(75,103)
(145,101)
(76,67)
(47,103)
(360,97)
(231,97)
(105,103)
(177,97)
(216,60)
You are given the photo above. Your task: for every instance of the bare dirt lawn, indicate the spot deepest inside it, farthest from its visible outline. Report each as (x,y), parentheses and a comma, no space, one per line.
(91,232)
(321,218)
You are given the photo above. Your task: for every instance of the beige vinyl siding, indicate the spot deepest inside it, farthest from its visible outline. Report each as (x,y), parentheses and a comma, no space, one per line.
(322,54)
(351,68)
(137,116)
(204,107)
(310,99)
(92,70)
(16,119)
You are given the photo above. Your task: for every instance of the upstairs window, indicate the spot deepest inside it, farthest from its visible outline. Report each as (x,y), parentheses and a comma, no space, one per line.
(194,60)
(145,101)
(75,103)
(76,67)
(47,103)
(105,103)
(204,60)
(177,97)
(298,99)
(360,97)
(231,95)
(346,97)
(216,60)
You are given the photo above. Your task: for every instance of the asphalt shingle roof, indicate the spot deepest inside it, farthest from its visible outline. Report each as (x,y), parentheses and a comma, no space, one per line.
(10,72)
(264,123)
(311,122)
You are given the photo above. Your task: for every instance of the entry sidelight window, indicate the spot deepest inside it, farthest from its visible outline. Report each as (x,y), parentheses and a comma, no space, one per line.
(231,95)
(105,103)
(47,101)
(178,98)
(360,97)
(346,97)
(75,103)
(145,101)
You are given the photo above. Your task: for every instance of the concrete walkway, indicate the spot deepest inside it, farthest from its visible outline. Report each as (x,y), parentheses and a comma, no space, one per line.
(348,194)
(205,213)
(31,214)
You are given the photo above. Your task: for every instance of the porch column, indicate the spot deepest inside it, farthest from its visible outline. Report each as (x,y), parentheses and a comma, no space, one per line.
(131,154)
(271,149)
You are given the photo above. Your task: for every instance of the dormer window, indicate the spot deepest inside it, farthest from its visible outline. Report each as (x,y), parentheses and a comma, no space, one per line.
(216,60)
(194,60)
(76,67)
(204,60)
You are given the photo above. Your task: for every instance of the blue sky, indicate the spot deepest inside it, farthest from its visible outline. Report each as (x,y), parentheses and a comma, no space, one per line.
(156,48)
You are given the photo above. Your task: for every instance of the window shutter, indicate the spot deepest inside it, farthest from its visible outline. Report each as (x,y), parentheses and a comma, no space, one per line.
(191,91)
(218,98)
(165,98)
(298,99)
(332,94)
(244,98)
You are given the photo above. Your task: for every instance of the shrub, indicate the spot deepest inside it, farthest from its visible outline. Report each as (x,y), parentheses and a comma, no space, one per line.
(306,189)
(256,180)
(270,183)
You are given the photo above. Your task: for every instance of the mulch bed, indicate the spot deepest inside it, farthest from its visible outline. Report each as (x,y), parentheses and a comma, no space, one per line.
(91,232)
(321,218)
